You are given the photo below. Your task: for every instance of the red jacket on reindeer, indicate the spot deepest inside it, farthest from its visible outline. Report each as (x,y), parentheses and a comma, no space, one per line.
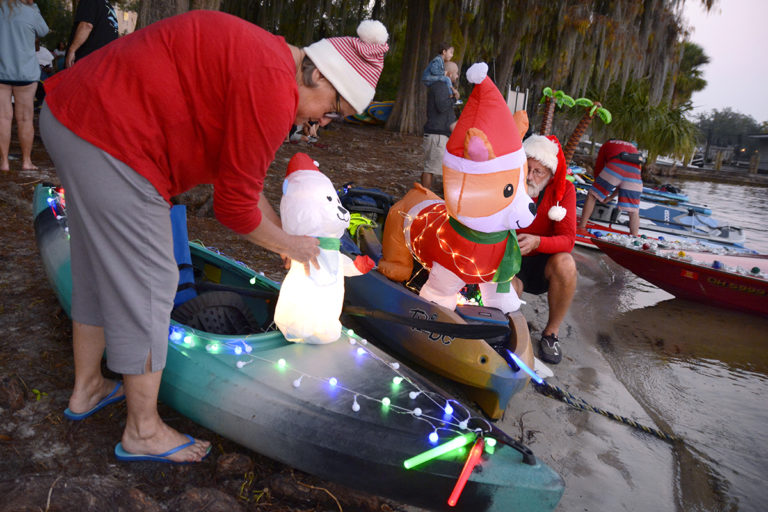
(470,237)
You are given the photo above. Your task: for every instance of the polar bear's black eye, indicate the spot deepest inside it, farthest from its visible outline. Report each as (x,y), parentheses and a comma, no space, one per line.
(329,198)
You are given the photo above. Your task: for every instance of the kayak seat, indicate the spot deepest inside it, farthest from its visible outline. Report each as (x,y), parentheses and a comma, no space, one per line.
(217,313)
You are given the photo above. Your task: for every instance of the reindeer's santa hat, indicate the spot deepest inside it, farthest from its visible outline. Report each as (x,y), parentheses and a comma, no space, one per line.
(485,144)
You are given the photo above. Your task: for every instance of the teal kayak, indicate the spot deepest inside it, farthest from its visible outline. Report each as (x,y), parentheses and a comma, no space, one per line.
(345,411)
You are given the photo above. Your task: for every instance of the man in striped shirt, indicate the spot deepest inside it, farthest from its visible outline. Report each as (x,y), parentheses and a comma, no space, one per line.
(617,171)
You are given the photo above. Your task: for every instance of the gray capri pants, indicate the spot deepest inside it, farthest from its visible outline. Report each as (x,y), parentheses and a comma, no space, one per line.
(124,275)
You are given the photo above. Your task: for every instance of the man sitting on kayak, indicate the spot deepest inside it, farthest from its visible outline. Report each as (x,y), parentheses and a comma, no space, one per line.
(617,168)
(546,245)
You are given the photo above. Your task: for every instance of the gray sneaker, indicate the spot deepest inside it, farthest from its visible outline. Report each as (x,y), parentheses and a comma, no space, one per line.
(549,348)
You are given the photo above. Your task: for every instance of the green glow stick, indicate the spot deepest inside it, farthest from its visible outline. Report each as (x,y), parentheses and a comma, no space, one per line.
(437,451)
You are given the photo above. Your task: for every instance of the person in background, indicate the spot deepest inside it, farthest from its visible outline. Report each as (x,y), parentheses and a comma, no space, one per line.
(440,122)
(304,133)
(120,167)
(95,25)
(435,70)
(547,264)
(45,59)
(617,170)
(59,54)
(20,24)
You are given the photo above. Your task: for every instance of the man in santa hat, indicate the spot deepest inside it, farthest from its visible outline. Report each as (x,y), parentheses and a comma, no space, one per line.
(546,245)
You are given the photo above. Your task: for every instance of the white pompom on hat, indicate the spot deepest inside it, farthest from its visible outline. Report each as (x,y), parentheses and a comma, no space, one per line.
(477,72)
(353,65)
(547,150)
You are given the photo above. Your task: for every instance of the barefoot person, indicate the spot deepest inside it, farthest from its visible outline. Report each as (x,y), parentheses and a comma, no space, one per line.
(618,170)
(20,24)
(145,118)
(546,245)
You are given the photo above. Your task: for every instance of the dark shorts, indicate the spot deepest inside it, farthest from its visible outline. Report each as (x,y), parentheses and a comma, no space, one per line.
(17,83)
(532,273)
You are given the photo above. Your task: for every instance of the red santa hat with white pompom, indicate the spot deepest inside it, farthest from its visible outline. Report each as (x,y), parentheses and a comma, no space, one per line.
(486,138)
(547,150)
(297,166)
(301,162)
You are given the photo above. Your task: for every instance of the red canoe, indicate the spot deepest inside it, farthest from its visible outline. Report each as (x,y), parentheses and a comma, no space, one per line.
(704,277)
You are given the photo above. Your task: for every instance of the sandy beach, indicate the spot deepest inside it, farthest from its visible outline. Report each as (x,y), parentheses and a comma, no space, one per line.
(606,465)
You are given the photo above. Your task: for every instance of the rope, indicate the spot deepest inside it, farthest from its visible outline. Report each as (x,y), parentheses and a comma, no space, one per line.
(547,389)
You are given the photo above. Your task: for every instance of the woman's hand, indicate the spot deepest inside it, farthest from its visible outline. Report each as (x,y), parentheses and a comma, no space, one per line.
(304,249)
(268,234)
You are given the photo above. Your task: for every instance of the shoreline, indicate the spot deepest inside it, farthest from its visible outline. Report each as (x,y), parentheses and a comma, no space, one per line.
(606,465)
(730,175)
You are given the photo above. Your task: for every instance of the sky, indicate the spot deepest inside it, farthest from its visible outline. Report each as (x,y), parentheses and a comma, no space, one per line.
(734,34)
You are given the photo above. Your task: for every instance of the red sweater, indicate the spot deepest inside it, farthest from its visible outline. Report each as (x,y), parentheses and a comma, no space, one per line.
(555,236)
(203,97)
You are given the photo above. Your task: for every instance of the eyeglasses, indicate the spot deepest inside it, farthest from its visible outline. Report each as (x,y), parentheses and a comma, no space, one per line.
(337,113)
(539,172)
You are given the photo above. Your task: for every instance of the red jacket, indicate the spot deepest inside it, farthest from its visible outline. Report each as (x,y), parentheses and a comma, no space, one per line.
(555,236)
(202,97)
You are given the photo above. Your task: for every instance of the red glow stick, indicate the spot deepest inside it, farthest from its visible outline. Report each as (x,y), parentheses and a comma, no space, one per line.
(469,465)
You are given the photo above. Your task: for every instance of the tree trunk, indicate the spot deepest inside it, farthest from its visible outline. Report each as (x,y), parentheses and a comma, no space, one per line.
(439,30)
(211,5)
(548,114)
(151,11)
(504,69)
(577,134)
(408,114)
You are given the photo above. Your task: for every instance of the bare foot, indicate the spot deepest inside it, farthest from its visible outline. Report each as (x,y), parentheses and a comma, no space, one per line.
(5,167)
(165,439)
(86,399)
(30,167)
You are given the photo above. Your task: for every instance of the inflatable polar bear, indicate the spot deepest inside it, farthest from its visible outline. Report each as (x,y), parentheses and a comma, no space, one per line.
(309,306)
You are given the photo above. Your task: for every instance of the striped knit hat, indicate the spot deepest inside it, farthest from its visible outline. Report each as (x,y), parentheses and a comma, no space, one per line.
(353,65)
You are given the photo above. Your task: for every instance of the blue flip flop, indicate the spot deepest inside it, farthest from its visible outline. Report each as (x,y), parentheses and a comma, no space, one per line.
(109,399)
(123,455)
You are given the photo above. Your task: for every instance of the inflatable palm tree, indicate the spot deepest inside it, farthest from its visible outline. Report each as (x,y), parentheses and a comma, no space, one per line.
(591,109)
(551,99)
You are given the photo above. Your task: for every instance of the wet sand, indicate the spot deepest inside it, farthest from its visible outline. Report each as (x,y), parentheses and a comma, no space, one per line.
(688,369)
(606,465)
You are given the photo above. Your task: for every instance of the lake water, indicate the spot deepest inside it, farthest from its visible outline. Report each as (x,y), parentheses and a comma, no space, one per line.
(700,372)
